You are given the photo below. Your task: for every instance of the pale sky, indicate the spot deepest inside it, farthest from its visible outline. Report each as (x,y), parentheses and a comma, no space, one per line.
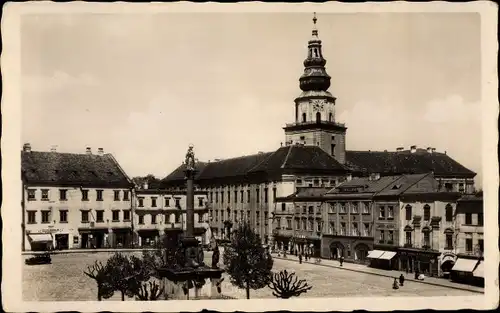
(144,87)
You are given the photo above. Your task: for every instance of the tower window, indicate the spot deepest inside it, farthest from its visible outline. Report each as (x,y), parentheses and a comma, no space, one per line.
(303,117)
(330,117)
(315,53)
(333,150)
(318,117)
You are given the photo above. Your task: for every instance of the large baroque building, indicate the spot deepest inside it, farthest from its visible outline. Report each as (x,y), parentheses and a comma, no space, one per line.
(314,156)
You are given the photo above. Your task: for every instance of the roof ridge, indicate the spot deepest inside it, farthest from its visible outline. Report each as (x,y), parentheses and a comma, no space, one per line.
(264,159)
(286,157)
(241,157)
(414,183)
(111,156)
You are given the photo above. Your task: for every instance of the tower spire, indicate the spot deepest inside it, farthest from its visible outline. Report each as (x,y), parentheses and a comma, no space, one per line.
(315,77)
(315,30)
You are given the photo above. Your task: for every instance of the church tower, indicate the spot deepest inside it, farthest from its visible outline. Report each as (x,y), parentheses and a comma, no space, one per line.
(315,123)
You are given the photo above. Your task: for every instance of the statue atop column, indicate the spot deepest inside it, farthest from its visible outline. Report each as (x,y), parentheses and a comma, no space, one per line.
(190,161)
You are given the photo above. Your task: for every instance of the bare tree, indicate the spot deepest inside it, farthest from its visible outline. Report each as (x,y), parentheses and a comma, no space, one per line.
(154,292)
(100,274)
(286,285)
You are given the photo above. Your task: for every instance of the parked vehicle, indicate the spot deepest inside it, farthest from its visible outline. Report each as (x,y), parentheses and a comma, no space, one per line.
(39,259)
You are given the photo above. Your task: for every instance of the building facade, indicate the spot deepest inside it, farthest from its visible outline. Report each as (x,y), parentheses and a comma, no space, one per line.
(314,155)
(74,200)
(161,213)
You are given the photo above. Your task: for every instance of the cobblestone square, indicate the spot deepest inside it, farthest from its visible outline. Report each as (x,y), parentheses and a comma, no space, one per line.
(63,280)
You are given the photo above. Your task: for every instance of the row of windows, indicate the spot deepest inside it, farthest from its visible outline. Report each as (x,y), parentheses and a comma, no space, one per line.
(177,218)
(449,241)
(85,214)
(352,207)
(63,195)
(226,215)
(214,196)
(449,214)
(154,202)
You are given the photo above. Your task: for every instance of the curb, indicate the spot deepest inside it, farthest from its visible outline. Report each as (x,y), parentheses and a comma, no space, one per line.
(383,275)
(86,251)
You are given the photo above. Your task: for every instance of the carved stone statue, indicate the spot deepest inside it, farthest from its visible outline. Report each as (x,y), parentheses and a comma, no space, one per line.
(190,160)
(215,257)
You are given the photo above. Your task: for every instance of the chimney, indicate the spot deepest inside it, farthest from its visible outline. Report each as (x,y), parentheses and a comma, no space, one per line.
(400,149)
(145,185)
(100,151)
(281,144)
(429,149)
(413,149)
(88,150)
(53,149)
(27,147)
(349,177)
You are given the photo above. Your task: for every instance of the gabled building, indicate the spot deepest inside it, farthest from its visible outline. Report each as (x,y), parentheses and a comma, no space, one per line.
(74,200)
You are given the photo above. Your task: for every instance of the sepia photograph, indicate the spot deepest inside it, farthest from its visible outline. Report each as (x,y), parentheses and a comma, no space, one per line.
(322,154)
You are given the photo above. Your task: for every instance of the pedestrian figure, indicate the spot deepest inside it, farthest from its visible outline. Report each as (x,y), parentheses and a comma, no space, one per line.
(416,274)
(341,260)
(395,284)
(401,280)
(300,258)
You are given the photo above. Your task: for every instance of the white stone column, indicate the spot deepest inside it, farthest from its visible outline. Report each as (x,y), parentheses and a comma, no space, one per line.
(213,287)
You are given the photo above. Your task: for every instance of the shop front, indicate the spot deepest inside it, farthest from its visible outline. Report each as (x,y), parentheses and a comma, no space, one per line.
(353,249)
(467,270)
(122,238)
(422,261)
(148,237)
(40,241)
(306,245)
(447,261)
(94,238)
(382,259)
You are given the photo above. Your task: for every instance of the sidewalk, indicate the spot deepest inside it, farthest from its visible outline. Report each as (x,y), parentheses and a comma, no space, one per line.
(87,251)
(386,273)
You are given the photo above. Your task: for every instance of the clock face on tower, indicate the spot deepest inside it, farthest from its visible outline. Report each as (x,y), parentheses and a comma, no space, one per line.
(318,105)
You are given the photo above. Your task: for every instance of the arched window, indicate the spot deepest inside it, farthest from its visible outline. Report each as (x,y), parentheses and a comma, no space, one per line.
(318,117)
(427,212)
(408,212)
(427,237)
(449,213)
(330,117)
(315,53)
(303,117)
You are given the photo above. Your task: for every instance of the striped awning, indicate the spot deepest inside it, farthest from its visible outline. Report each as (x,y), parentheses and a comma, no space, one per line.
(374,254)
(40,237)
(479,271)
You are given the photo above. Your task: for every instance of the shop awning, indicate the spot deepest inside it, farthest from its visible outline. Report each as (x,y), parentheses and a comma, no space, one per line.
(374,254)
(387,255)
(40,237)
(464,265)
(479,271)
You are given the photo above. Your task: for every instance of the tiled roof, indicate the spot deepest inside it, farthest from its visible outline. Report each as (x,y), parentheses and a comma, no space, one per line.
(54,168)
(405,162)
(367,184)
(403,183)
(298,157)
(293,158)
(178,173)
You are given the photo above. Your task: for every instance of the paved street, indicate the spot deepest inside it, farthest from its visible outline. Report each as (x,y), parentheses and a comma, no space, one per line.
(64,280)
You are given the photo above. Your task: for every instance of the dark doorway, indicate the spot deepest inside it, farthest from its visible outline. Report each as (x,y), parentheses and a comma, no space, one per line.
(85,241)
(318,117)
(62,241)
